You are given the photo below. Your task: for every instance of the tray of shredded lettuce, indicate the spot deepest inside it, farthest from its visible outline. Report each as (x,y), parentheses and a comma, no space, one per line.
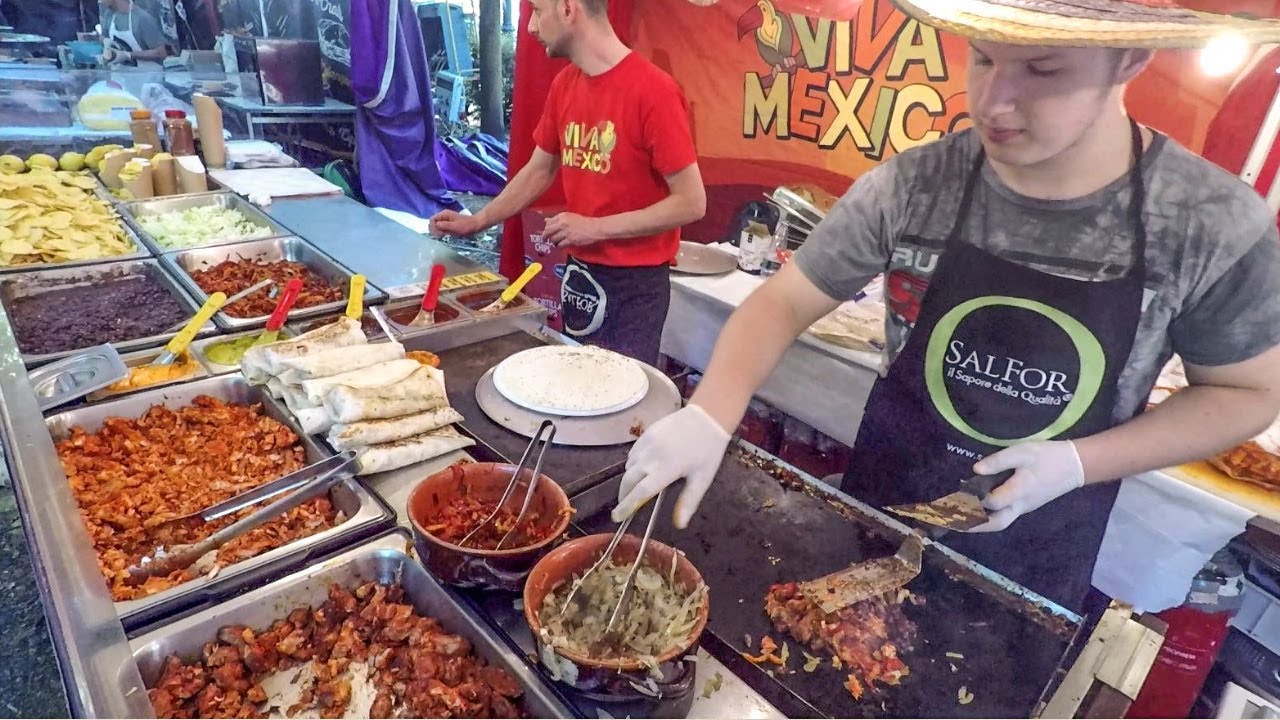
(200,226)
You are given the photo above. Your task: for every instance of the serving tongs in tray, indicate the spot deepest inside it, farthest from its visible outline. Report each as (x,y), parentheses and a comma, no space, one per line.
(309,482)
(547,427)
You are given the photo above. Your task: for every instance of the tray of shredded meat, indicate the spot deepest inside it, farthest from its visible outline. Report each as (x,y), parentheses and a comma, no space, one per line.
(232,268)
(366,634)
(157,455)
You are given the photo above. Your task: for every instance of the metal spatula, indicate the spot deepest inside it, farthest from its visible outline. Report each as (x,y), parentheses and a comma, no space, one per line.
(511,292)
(961,510)
(866,580)
(426,316)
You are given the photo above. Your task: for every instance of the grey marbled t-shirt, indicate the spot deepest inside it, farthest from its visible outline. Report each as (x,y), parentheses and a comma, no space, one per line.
(1213,253)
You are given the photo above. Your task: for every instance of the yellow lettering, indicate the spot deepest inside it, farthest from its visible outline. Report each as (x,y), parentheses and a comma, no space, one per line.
(846,120)
(569,134)
(875,34)
(566,157)
(917,43)
(879,129)
(814,42)
(807,105)
(910,98)
(766,111)
(844,47)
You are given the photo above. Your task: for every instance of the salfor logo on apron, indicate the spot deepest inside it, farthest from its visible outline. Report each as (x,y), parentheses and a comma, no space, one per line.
(619,308)
(1003,354)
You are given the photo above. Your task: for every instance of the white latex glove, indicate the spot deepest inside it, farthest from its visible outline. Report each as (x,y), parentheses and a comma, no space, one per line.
(687,444)
(1044,471)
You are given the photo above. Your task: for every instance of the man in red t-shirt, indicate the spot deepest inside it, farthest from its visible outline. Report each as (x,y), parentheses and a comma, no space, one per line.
(618,129)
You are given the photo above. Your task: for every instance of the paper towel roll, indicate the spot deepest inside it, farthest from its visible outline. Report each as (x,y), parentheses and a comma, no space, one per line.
(191,177)
(209,117)
(164,174)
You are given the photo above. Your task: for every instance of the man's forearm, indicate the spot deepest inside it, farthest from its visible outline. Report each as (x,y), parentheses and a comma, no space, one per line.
(1192,424)
(157,53)
(749,348)
(527,186)
(666,214)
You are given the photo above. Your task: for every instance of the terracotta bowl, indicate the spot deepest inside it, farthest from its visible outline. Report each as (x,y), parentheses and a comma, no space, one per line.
(503,569)
(612,679)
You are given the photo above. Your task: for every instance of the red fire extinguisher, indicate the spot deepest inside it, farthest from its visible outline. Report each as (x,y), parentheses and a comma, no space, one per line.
(1196,631)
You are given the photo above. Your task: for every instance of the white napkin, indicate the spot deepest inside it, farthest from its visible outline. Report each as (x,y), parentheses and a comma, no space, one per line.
(1161,533)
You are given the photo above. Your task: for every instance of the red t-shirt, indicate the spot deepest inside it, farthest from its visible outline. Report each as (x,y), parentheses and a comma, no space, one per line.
(618,135)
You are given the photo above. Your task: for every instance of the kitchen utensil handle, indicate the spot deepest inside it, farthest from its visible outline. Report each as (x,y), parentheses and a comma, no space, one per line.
(271,489)
(249,291)
(355,297)
(312,488)
(981,485)
(431,298)
(529,274)
(628,587)
(292,290)
(184,337)
(546,426)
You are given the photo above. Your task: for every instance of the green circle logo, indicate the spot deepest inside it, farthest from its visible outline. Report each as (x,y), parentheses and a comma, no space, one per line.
(1093,363)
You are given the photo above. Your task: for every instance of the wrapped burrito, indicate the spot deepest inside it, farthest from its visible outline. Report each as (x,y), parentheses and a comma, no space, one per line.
(314,421)
(262,361)
(419,448)
(335,361)
(275,388)
(296,400)
(374,376)
(421,391)
(376,432)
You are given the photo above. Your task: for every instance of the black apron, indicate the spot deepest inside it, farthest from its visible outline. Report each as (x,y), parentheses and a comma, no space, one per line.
(1002,354)
(619,308)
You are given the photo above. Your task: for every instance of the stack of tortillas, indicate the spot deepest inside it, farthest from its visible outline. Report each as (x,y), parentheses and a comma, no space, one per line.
(371,398)
(854,326)
(571,381)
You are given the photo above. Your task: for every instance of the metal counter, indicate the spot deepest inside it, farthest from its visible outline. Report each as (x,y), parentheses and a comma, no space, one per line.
(390,255)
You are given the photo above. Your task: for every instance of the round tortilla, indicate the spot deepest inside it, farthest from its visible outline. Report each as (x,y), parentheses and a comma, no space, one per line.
(561,380)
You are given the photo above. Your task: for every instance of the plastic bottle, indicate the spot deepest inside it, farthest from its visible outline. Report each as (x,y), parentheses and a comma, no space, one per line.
(178,130)
(143,129)
(1196,632)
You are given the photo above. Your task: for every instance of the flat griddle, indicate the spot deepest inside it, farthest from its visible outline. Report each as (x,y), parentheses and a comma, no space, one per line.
(752,531)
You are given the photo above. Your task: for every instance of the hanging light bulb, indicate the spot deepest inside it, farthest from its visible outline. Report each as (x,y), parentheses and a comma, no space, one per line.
(1224,55)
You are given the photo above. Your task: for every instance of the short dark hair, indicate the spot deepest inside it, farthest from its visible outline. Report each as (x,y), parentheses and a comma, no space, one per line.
(595,7)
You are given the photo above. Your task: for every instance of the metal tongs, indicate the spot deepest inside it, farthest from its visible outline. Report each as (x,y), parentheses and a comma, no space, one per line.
(546,426)
(611,630)
(310,482)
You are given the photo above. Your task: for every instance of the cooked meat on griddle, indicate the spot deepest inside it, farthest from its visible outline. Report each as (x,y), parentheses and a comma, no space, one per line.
(413,666)
(866,637)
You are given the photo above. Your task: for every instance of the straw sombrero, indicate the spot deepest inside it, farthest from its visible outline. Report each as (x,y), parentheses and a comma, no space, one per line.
(1080,23)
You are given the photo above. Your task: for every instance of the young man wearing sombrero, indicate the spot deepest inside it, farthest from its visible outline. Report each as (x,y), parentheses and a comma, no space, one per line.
(1066,252)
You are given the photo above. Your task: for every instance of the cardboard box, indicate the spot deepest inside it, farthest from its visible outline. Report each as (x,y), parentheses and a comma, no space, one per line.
(545,288)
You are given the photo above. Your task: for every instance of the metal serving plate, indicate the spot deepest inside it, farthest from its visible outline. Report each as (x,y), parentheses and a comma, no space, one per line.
(199,347)
(365,513)
(138,359)
(143,251)
(184,262)
(386,559)
(132,211)
(25,284)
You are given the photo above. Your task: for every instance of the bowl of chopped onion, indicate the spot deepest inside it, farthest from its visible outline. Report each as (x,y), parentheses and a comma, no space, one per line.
(659,630)
(446,507)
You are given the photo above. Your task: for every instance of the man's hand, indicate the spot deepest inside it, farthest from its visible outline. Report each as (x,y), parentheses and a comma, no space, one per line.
(451,222)
(572,230)
(1045,471)
(688,444)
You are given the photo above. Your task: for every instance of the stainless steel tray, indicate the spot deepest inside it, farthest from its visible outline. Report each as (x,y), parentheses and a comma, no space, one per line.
(183,262)
(24,284)
(472,327)
(138,359)
(198,348)
(459,316)
(143,251)
(134,210)
(365,513)
(386,559)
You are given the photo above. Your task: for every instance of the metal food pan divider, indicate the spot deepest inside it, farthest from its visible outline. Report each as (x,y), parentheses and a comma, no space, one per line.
(365,513)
